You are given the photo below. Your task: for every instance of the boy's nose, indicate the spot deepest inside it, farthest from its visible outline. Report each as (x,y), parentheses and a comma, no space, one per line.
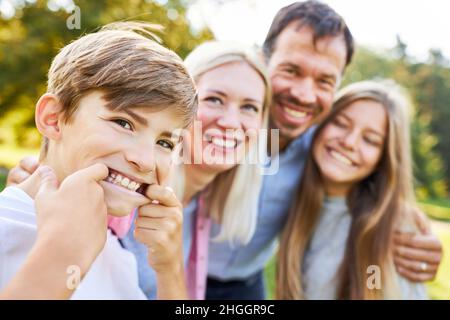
(143,160)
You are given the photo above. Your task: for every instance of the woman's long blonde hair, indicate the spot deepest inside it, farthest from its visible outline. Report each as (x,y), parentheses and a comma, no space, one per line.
(233,196)
(377,204)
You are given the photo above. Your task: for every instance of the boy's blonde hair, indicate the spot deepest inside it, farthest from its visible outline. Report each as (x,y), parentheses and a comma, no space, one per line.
(131,69)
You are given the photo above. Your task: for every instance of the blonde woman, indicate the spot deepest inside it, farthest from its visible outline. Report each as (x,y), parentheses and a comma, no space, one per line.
(219,152)
(357,189)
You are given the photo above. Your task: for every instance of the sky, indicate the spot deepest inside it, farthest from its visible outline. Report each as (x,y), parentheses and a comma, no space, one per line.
(421,24)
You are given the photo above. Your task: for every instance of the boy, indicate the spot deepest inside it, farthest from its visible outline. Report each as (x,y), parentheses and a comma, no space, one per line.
(108,111)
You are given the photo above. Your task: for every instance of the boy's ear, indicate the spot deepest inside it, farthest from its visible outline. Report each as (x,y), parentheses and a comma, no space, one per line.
(48,116)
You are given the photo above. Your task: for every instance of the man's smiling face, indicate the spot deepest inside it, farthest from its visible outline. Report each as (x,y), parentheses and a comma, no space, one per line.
(135,144)
(304,78)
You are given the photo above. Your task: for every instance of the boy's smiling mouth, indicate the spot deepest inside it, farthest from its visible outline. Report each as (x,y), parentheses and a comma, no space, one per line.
(124,181)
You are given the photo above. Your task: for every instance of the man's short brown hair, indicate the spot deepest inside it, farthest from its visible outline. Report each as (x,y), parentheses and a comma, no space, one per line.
(129,67)
(322,19)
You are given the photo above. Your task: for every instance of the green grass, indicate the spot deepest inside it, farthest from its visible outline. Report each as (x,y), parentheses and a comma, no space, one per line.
(437,209)
(439,288)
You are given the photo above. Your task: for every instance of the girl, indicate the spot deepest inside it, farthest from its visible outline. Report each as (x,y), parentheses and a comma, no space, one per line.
(357,188)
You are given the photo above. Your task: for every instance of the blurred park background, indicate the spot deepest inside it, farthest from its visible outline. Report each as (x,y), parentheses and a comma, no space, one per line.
(32,31)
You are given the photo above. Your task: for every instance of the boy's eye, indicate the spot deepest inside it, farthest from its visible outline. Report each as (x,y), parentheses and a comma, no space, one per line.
(123,123)
(166,144)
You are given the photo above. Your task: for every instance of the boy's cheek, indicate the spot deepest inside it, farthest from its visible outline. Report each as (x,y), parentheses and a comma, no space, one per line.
(121,204)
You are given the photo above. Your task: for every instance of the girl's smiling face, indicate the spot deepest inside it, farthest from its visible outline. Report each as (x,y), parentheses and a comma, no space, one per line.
(135,144)
(350,146)
(231,99)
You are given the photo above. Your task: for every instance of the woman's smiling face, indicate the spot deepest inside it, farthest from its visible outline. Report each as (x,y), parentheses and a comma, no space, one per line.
(350,146)
(135,144)
(231,99)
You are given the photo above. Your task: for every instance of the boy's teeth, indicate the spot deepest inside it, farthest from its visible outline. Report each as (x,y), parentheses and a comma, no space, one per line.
(295,113)
(223,143)
(340,158)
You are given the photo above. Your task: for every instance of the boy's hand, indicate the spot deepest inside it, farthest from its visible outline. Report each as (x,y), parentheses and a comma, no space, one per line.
(159,227)
(417,256)
(22,171)
(71,218)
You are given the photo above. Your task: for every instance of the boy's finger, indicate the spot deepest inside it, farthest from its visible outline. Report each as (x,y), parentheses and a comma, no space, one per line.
(48,180)
(164,195)
(29,164)
(96,172)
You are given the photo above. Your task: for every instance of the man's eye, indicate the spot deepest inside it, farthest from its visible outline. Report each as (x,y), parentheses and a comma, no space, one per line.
(166,144)
(123,123)
(290,71)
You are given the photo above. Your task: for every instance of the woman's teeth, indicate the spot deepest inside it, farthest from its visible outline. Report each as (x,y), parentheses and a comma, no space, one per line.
(122,181)
(341,158)
(223,143)
(295,113)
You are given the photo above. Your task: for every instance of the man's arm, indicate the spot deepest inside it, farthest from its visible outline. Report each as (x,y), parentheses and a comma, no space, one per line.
(417,256)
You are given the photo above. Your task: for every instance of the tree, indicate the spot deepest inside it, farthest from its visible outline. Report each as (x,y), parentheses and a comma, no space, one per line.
(33,36)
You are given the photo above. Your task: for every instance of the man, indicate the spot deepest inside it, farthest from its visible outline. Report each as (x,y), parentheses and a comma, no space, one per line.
(307,49)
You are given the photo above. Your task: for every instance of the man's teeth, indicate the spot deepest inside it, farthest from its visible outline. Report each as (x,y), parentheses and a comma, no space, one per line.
(224,143)
(341,158)
(295,113)
(123,181)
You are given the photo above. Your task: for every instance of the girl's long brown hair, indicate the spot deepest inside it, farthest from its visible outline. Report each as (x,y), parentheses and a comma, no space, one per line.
(376,205)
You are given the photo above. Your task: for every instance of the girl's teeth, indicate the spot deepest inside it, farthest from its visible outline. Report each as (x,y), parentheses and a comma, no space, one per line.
(341,158)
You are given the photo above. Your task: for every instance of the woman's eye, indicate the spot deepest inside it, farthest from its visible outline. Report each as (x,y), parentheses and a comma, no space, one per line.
(166,144)
(250,107)
(123,123)
(214,100)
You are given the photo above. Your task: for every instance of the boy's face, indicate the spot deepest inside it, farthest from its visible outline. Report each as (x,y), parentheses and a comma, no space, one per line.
(135,144)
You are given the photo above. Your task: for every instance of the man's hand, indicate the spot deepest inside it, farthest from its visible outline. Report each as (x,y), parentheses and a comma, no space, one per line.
(417,256)
(22,171)
(159,227)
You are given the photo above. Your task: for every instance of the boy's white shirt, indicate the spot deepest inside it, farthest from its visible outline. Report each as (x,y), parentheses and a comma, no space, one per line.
(113,275)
